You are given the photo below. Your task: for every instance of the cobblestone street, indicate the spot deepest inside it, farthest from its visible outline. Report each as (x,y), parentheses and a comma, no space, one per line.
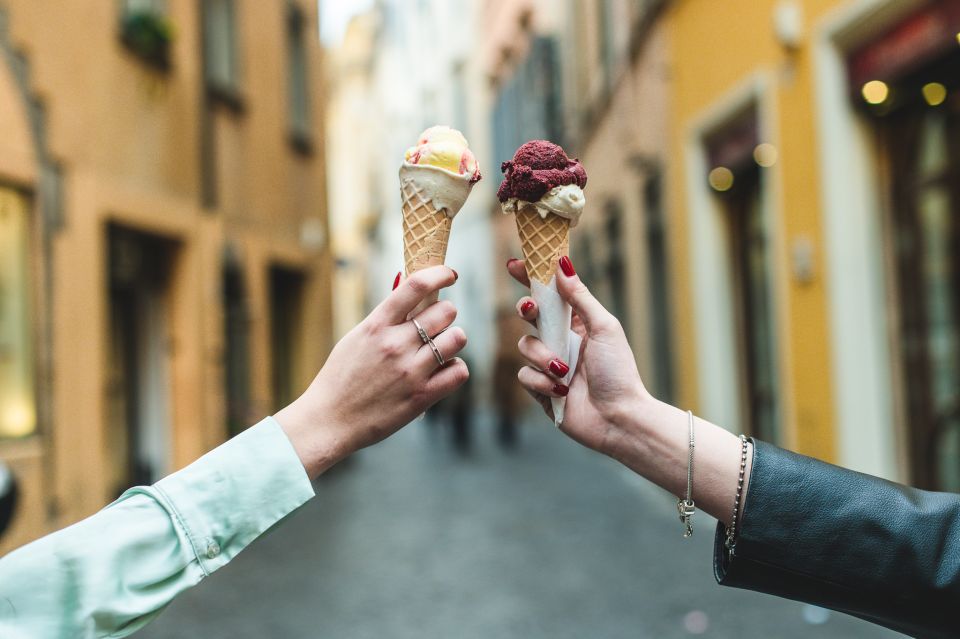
(412,539)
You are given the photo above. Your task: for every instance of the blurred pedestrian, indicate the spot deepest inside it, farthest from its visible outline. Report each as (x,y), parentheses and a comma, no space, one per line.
(789,525)
(112,573)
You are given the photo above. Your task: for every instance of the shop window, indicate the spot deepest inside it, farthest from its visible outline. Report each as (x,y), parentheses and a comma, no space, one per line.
(222,68)
(922,145)
(906,81)
(286,315)
(298,77)
(17,390)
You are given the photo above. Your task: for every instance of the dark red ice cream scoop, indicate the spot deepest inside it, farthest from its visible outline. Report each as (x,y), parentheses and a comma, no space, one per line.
(537,167)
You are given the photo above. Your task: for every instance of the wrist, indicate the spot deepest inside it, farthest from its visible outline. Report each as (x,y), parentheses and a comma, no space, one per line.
(629,422)
(315,440)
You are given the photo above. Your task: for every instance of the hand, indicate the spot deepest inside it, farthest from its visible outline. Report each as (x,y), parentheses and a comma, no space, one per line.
(606,385)
(380,376)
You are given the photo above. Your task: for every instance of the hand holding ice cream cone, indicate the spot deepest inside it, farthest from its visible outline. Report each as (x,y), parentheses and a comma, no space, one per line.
(543,188)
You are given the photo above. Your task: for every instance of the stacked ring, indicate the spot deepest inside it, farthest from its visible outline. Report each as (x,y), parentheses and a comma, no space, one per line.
(426,339)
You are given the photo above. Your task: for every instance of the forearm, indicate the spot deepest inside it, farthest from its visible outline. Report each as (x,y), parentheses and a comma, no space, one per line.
(653,441)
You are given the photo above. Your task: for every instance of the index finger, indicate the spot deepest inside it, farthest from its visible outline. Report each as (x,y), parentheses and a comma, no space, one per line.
(518,270)
(414,290)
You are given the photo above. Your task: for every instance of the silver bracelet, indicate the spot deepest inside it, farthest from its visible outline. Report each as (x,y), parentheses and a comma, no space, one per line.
(686,507)
(731,542)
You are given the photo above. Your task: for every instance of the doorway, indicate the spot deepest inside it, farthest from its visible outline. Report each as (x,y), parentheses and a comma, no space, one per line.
(139,269)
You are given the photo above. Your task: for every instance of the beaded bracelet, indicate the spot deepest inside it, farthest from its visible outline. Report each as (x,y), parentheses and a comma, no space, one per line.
(731,542)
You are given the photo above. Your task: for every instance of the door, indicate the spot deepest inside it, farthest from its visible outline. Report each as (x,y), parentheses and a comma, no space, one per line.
(139,376)
(922,144)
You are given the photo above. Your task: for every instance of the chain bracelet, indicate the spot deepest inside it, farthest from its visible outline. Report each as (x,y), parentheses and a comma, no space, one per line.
(731,541)
(686,507)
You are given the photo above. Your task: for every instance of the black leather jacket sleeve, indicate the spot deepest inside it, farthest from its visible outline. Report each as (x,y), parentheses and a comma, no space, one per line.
(835,538)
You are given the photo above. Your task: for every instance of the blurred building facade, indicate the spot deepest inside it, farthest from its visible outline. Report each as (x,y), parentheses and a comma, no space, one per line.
(165,270)
(408,66)
(814,226)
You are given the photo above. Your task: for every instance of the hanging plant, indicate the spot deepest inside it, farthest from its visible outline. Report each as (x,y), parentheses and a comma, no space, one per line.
(149,35)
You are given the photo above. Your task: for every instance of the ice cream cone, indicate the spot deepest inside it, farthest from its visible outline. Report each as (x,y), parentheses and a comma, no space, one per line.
(544,240)
(426,228)
(543,187)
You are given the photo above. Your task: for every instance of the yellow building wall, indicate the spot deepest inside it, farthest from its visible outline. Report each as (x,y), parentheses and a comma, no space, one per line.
(128,140)
(716,47)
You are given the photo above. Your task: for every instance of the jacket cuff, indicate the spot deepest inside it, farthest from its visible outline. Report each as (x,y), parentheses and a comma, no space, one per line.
(235,493)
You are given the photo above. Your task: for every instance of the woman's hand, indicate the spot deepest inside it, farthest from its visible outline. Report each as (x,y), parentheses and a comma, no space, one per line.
(380,376)
(606,385)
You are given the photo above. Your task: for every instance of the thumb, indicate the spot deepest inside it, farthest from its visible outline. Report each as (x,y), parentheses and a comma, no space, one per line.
(578,296)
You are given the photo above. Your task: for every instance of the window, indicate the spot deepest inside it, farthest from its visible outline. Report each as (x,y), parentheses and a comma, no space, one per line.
(616,268)
(749,249)
(220,47)
(17,400)
(298,77)
(236,324)
(133,7)
(922,144)
(286,305)
(659,287)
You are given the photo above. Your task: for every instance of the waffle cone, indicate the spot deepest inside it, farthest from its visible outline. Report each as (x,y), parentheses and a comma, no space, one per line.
(544,242)
(426,229)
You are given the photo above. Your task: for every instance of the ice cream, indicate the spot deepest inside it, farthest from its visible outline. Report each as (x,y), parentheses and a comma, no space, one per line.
(436,177)
(543,188)
(444,148)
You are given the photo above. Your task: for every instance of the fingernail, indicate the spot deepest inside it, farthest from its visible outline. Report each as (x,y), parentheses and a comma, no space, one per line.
(396,281)
(558,368)
(456,276)
(526,307)
(511,261)
(561,390)
(567,266)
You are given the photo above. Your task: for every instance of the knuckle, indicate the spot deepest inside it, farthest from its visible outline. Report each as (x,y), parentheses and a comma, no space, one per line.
(448,310)
(392,348)
(418,284)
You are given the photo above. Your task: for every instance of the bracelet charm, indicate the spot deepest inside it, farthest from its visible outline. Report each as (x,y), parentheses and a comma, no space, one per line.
(686,507)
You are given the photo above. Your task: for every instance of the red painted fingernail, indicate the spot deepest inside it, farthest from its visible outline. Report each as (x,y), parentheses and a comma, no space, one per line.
(558,368)
(561,390)
(396,281)
(567,266)
(526,307)
(456,276)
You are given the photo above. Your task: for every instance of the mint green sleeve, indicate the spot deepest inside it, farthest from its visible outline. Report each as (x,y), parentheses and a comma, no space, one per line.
(111,574)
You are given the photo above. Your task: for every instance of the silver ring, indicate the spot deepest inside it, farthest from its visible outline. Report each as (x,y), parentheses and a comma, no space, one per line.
(436,352)
(423,334)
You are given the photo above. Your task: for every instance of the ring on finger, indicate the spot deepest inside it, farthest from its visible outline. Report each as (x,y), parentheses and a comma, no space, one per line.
(423,334)
(436,352)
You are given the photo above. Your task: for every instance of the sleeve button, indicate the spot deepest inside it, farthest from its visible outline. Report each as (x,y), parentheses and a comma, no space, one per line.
(213,549)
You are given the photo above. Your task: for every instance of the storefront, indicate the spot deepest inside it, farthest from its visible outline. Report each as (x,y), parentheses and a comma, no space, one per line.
(906,84)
